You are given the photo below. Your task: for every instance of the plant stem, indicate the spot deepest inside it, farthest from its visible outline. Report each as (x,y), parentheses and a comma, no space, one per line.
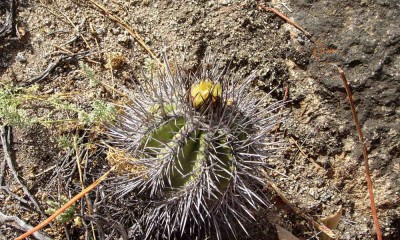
(365,154)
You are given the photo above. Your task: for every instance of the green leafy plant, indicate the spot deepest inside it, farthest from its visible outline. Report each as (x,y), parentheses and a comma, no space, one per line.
(197,142)
(16,105)
(10,111)
(65,216)
(102,112)
(89,74)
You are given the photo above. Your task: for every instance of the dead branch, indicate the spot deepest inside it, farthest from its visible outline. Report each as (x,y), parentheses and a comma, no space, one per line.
(21,225)
(50,68)
(318,225)
(131,31)
(101,222)
(65,206)
(365,153)
(9,27)
(273,10)
(4,188)
(2,171)
(6,132)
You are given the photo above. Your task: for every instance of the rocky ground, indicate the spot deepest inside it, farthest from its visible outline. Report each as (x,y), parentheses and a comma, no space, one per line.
(322,168)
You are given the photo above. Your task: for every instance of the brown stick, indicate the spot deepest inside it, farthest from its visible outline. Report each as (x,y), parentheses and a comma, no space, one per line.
(19,224)
(5,136)
(320,226)
(365,154)
(63,208)
(133,33)
(273,10)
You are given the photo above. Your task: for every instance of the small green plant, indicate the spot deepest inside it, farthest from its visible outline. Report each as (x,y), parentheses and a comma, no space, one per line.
(198,142)
(17,109)
(101,112)
(11,112)
(64,217)
(64,142)
(89,74)
(150,67)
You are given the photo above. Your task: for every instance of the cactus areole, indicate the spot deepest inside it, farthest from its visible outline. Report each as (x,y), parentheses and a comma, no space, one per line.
(200,140)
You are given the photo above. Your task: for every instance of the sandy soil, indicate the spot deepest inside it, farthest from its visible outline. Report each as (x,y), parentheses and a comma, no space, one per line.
(322,168)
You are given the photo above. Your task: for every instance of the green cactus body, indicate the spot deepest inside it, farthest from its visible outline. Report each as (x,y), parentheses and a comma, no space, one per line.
(190,150)
(202,139)
(224,168)
(184,167)
(162,135)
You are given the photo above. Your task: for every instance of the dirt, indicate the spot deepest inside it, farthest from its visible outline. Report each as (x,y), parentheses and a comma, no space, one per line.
(322,168)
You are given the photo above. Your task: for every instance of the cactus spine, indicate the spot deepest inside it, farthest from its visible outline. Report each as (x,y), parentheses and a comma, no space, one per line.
(199,141)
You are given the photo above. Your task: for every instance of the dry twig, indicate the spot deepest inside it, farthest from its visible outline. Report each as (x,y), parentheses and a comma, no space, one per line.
(10,193)
(319,226)
(53,65)
(9,26)
(273,10)
(131,31)
(18,223)
(6,140)
(2,171)
(78,163)
(65,206)
(365,154)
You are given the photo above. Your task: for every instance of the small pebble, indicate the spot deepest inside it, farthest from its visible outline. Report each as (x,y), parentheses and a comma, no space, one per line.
(123,39)
(20,57)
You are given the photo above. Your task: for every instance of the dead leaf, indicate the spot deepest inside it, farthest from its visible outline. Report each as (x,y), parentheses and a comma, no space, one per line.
(284,234)
(21,32)
(331,222)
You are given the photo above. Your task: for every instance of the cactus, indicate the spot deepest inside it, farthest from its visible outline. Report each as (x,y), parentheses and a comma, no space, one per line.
(198,142)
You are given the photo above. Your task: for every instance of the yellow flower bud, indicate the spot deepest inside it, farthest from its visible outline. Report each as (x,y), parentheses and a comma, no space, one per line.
(203,91)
